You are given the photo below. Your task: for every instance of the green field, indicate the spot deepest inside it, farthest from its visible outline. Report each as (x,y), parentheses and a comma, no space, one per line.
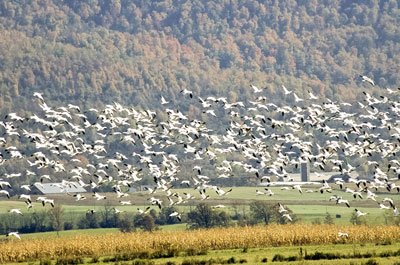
(308,207)
(266,255)
(350,254)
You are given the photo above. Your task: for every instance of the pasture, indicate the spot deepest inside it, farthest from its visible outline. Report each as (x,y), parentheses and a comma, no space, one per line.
(309,207)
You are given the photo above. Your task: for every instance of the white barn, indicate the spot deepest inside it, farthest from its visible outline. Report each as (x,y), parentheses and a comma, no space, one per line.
(57,188)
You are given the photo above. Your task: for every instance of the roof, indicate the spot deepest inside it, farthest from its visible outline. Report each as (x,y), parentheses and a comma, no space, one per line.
(313,177)
(55,188)
(289,183)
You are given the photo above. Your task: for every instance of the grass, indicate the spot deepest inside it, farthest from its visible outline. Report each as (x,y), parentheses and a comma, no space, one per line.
(174,227)
(307,206)
(308,213)
(71,233)
(97,231)
(257,255)
(260,256)
(266,255)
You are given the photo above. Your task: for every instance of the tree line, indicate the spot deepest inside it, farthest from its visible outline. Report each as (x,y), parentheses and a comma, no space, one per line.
(201,216)
(98,51)
(94,52)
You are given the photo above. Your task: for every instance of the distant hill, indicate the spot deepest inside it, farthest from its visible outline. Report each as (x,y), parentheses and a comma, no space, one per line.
(93,52)
(122,56)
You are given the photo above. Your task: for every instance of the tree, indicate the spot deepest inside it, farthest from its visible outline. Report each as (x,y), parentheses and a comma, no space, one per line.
(90,220)
(282,219)
(57,217)
(3,227)
(164,217)
(328,219)
(40,221)
(109,217)
(262,212)
(357,220)
(203,216)
(125,223)
(223,219)
(145,222)
(316,221)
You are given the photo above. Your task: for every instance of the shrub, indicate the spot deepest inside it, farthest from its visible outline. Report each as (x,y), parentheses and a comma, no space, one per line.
(45,262)
(139,262)
(371,262)
(195,252)
(95,259)
(142,262)
(69,260)
(202,262)
(320,255)
(278,257)
(68,226)
(166,253)
(231,260)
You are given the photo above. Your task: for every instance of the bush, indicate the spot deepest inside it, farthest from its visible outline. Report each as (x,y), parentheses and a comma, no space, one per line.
(164,217)
(69,260)
(165,253)
(125,225)
(206,217)
(195,252)
(320,255)
(384,243)
(68,226)
(128,256)
(145,222)
(292,258)
(371,262)
(95,259)
(278,257)
(231,260)
(202,262)
(90,220)
(45,262)
(142,262)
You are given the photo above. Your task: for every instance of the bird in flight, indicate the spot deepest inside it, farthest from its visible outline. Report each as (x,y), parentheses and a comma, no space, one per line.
(163,101)
(359,213)
(14,234)
(286,91)
(255,89)
(365,78)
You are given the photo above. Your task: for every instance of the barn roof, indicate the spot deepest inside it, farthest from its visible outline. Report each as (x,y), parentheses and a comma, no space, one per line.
(56,188)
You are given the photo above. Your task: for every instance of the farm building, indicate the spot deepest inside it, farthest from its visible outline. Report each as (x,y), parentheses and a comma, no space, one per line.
(311,178)
(56,188)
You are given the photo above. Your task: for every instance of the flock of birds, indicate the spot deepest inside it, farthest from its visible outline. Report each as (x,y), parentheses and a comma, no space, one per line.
(262,140)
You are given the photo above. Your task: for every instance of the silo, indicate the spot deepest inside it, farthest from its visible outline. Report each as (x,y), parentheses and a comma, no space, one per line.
(304,171)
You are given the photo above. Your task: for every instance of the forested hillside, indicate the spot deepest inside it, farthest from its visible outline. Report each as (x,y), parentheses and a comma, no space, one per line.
(121,56)
(96,51)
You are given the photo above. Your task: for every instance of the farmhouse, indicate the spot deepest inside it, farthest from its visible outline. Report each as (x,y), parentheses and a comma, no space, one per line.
(56,188)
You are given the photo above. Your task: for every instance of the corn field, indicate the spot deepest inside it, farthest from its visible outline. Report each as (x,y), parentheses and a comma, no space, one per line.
(219,238)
